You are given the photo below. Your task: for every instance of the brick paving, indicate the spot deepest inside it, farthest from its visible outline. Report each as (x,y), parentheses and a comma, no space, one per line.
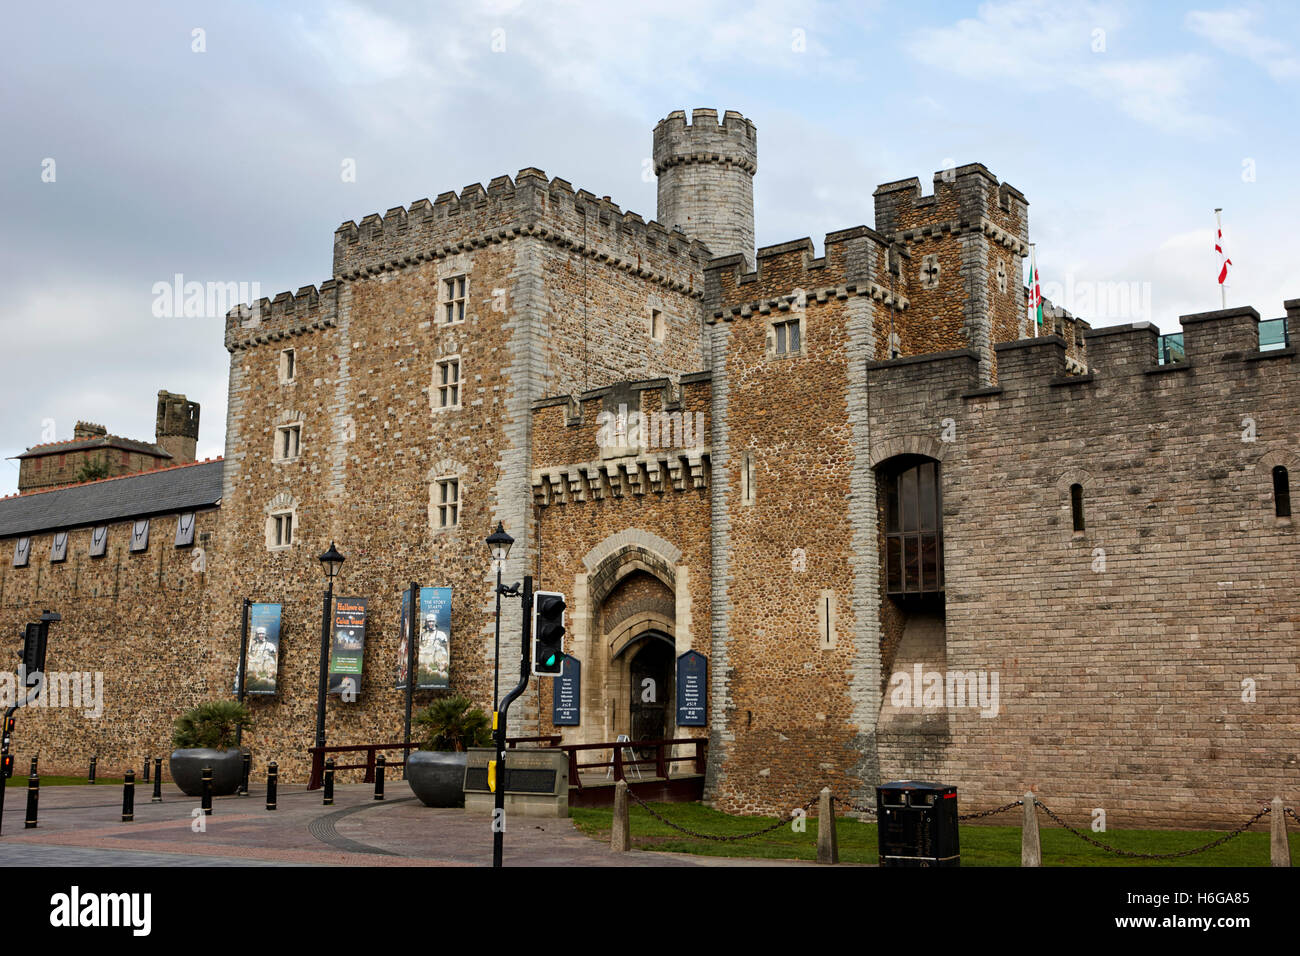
(81,826)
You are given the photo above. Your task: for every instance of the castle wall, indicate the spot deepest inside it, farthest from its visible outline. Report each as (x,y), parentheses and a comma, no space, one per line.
(561,288)
(1122,650)
(139,620)
(796,639)
(621,533)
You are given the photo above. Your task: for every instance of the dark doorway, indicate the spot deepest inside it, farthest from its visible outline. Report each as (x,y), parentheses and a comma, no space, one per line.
(651,690)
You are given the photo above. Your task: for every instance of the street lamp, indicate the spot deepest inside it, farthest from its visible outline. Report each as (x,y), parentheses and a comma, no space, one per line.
(331,561)
(499,543)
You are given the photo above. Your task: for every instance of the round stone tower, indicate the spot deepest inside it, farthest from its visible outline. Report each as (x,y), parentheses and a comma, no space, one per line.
(706,179)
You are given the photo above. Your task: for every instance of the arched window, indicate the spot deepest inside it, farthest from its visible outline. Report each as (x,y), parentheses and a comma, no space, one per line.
(913,527)
(1281,492)
(1076,505)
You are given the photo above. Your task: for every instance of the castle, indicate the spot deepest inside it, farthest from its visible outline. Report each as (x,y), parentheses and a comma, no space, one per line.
(911,537)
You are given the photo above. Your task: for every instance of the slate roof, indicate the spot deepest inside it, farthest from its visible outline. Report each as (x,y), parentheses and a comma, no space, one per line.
(176,489)
(95,441)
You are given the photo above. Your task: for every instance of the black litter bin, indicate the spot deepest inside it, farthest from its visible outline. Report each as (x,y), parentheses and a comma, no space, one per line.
(917,824)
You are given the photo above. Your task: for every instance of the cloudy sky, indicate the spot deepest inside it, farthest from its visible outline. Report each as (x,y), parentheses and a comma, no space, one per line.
(146,140)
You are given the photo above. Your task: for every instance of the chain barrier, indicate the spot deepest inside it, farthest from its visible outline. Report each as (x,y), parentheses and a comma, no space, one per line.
(976,815)
(1156,856)
(783,821)
(988,813)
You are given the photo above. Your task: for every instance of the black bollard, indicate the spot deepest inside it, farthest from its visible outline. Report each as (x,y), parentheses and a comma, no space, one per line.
(128,797)
(272,776)
(207,791)
(91,778)
(145,778)
(32,772)
(33,796)
(379,777)
(157,780)
(329,782)
(243,778)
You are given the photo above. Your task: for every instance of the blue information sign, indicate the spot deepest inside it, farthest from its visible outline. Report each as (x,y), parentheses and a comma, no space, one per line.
(692,687)
(566,694)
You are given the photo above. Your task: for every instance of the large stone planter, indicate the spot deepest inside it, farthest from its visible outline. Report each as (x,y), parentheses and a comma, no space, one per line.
(187,770)
(437,778)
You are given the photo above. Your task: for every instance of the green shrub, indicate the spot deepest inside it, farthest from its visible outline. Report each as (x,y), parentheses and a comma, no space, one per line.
(211,725)
(451,724)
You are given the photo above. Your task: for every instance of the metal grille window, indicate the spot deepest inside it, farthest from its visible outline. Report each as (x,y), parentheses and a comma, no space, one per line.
(453,299)
(59,547)
(449,383)
(448,502)
(914,528)
(22,551)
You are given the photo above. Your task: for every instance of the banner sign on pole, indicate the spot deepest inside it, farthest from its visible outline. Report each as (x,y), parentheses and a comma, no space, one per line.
(263,649)
(692,688)
(347,650)
(433,634)
(566,694)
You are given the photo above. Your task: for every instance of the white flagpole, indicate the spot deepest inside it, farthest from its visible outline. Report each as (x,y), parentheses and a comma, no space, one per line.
(1218,244)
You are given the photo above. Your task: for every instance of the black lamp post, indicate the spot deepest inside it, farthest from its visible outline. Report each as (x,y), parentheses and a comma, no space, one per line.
(331,561)
(499,543)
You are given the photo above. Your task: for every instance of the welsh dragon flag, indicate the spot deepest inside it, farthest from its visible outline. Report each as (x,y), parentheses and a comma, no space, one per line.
(1224,261)
(1035,294)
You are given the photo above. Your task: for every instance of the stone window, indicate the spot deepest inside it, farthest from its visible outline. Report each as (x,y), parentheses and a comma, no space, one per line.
(826,620)
(448,382)
(913,527)
(747,479)
(453,299)
(657,325)
(929,274)
(279,530)
(288,366)
(1281,492)
(787,337)
(1076,506)
(447,491)
(288,442)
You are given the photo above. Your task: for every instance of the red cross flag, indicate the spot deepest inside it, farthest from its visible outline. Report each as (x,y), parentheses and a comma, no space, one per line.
(1224,261)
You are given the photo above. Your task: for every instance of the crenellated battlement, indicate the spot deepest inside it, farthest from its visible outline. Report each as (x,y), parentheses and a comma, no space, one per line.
(626,438)
(857,261)
(732,142)
(288,314)
(1218,343)
(967,198)
(527,205)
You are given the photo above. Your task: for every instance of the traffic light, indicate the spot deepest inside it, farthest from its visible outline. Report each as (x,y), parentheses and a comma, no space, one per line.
(34,640)
(548,633)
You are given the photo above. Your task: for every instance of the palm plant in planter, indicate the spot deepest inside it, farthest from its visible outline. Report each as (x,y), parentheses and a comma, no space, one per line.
(204,736)
(451,726)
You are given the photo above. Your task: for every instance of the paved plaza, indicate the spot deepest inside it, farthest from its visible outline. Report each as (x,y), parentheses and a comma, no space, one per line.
(81,826)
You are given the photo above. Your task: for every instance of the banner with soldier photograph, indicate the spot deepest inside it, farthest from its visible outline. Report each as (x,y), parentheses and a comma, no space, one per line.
(433,637)
(263,648)
(348,647)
